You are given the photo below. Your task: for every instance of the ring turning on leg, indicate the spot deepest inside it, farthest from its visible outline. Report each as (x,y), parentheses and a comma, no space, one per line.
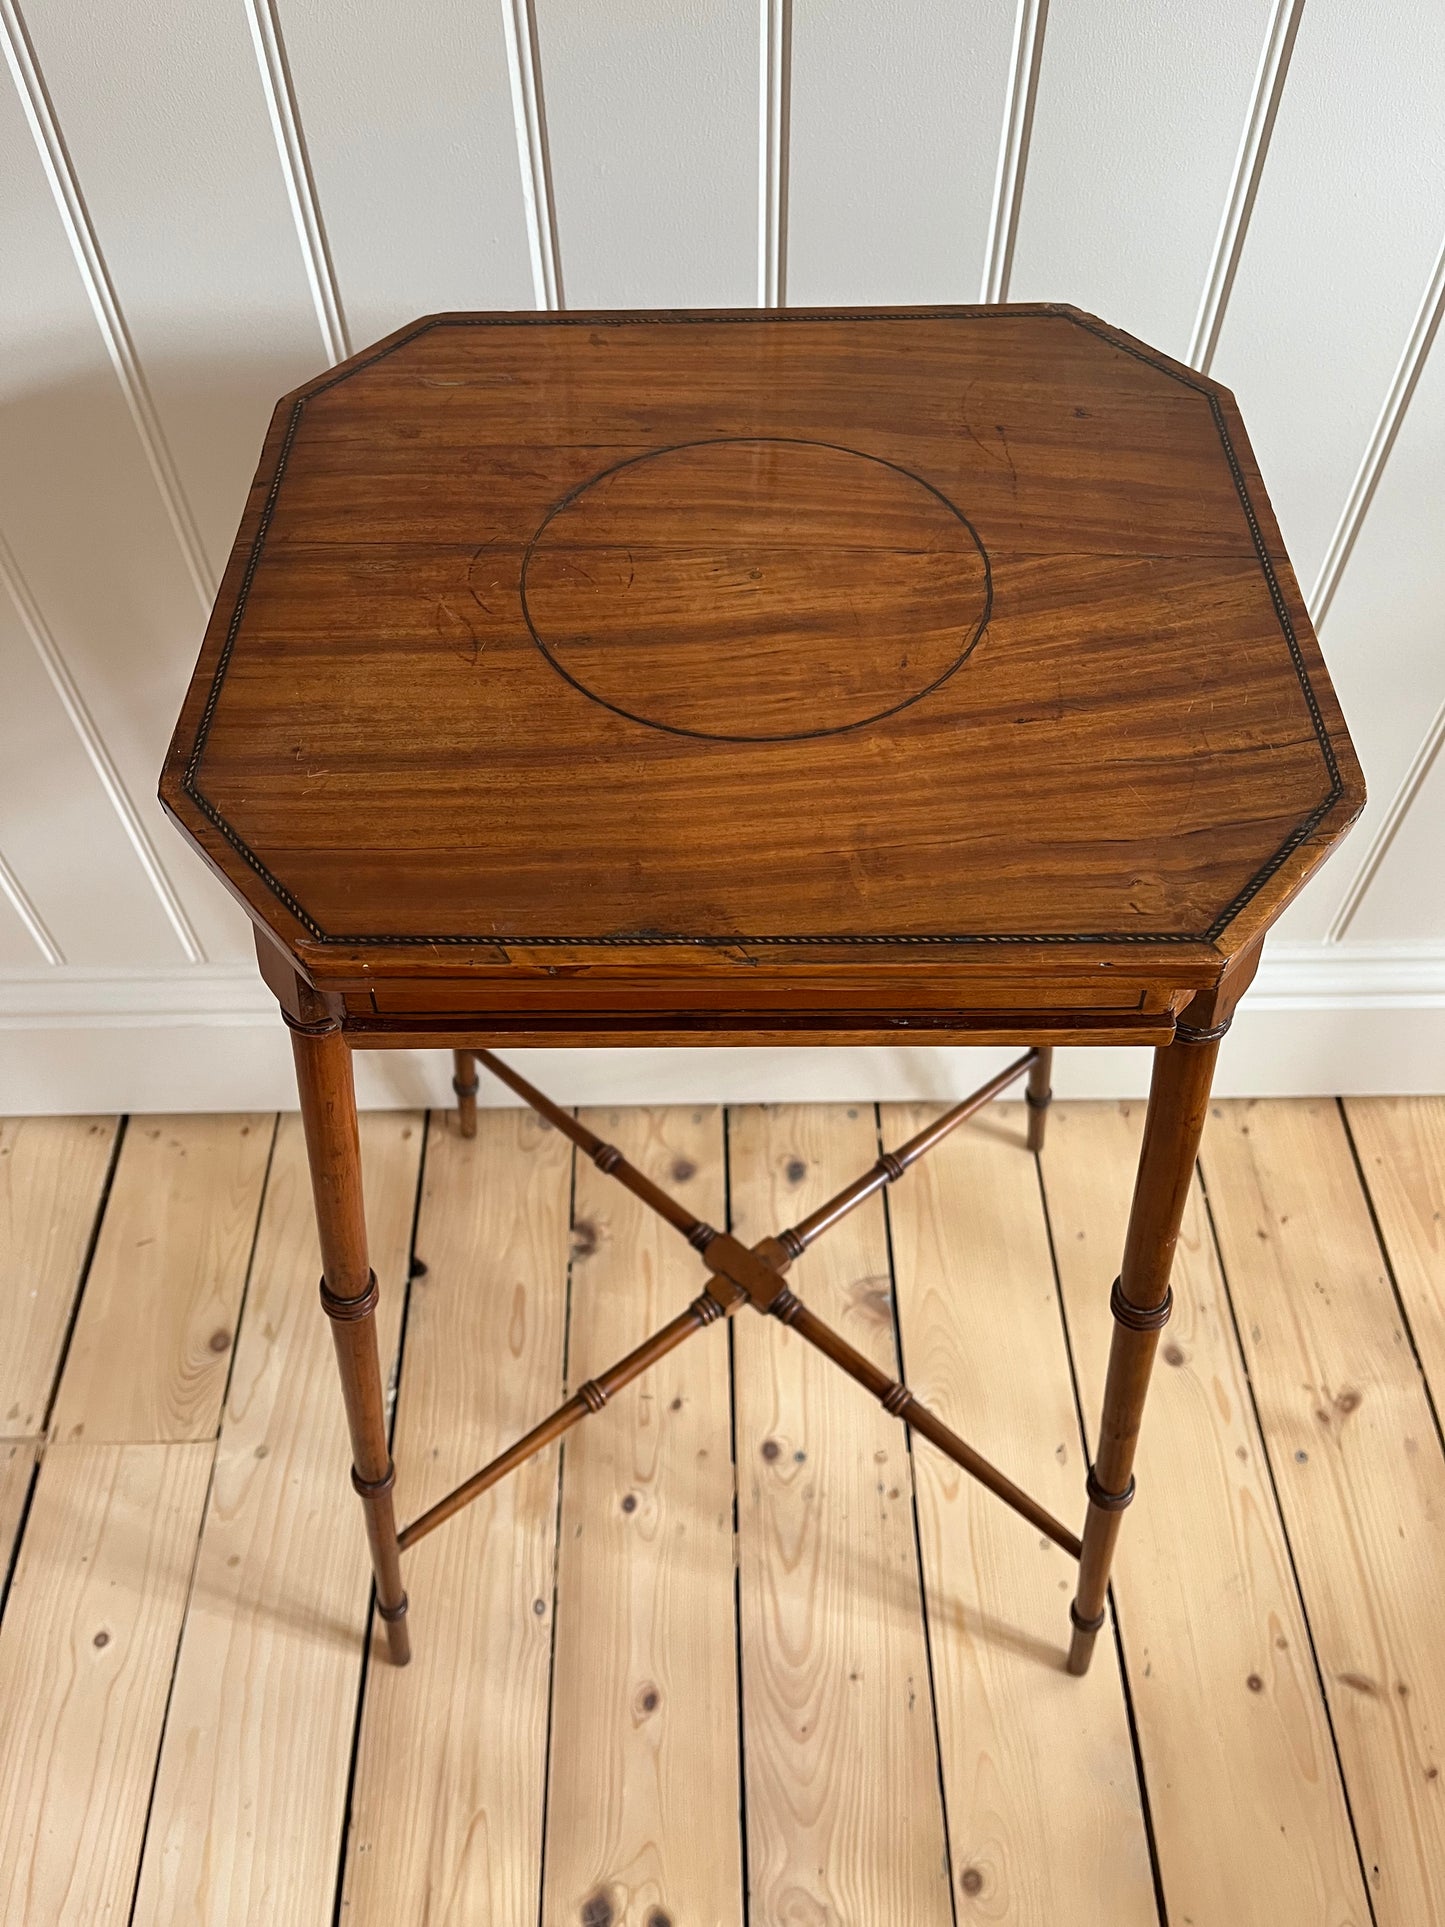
(464,1083)
(1039,1095)
(348,1297)
(1140,1302)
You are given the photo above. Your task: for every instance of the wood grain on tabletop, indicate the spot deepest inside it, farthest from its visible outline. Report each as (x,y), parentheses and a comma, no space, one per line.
(948,622)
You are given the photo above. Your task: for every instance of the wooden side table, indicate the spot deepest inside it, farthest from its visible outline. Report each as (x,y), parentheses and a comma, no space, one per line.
(737,678)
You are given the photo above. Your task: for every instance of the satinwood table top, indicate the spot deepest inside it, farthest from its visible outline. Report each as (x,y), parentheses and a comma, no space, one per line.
(718,643)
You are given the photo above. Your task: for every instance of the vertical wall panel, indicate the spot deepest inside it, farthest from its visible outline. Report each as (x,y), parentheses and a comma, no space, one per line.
(120,485)
(165,117)
(80,510)
(59,834)
(896,110)
(652,124)
(407,116)
(1384,637)
(1345,231)
(17,951)
(1405,899)
(1137,124)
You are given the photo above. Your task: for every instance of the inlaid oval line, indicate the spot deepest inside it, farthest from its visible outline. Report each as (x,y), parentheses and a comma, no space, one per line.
(800,579)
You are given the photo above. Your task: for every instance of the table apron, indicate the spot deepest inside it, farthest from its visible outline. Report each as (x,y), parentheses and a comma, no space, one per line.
(471,1030)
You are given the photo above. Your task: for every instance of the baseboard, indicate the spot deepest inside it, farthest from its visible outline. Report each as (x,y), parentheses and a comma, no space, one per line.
(1320,1019)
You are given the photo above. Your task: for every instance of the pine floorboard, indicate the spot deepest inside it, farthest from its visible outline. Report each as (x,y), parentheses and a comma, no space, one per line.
(640,1818)
(844,1814)
(250,1795)
(87,1650)
(739,1650)
(52,1180)
(447,1807)
(1215,1643)
(17,1468)
(170,1262)
(1359,1468)
(1028,1753)
(1400,1143)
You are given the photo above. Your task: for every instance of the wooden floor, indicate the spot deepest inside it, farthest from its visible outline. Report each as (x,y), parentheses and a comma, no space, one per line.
(739,1650)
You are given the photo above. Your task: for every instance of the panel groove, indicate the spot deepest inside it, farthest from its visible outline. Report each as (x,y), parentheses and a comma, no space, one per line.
(775,87)
(1013,153)
(90,263)
(1411,785)
(280,96)
(14,890)
(524,70)
(94,745)
(1243,187)
(1382,441)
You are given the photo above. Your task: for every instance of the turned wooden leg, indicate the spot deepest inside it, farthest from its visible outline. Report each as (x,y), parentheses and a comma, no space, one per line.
(348,1297)
(464,1083)
(1039,1095)
(1178,1103)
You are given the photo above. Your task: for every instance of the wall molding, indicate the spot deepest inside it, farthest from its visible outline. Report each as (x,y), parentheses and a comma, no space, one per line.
(1321,1020)
(1244,186)
(1013,151)
(64,997)
(296,172)
(524,71)
(1357,976)
(1317,976)
(95,278)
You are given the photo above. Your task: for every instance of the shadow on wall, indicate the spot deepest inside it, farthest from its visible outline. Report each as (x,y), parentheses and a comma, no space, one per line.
(119,506)
(108,547)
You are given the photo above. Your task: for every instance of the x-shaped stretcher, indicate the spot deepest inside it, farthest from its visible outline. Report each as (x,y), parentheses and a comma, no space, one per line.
(741,1275)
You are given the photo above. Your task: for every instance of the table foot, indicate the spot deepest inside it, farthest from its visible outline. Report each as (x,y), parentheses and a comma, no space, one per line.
(464,1083)
(349,1299)
(1038,1096)
(1140,1302)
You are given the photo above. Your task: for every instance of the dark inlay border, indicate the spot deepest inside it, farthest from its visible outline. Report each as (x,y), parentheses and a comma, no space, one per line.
(656,938)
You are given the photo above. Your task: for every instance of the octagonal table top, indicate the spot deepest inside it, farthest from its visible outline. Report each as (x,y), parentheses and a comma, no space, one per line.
(597,640)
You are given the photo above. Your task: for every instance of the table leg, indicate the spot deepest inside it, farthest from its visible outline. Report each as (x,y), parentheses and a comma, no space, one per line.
(1039,1095)
(1178,1104)
(464,1083)
(348,1297)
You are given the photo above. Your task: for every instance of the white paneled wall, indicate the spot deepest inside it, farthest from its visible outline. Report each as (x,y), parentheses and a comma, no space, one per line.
(888,153)
(412,144)
(205,201)
(1138,118)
